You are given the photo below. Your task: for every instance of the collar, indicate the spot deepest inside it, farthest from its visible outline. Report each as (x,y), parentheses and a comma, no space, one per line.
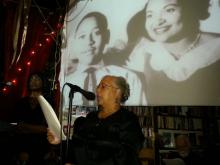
(180,70)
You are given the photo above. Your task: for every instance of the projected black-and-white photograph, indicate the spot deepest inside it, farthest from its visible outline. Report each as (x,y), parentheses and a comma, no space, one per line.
(168,50)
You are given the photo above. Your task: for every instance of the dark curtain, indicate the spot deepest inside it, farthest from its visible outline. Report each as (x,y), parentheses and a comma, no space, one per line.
(40,39)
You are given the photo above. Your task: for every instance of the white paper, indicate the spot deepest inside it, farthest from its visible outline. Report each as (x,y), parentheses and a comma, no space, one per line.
(51,117)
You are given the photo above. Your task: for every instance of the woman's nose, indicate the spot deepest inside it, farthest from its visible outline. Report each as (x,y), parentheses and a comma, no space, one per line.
(91,40)
(160,19)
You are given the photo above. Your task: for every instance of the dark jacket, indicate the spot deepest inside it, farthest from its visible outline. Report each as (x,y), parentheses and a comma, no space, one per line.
(115,140)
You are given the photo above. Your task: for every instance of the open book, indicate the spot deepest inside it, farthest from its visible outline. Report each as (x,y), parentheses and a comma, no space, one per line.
(51,117)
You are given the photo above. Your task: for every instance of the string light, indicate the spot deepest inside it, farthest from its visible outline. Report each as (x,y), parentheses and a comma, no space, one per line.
(48,39)
(14,81)
(28,63)
(45,40)
(4,89)
(33,52)
(19,69)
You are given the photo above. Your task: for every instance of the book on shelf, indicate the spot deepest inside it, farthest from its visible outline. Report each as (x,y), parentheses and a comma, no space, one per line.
(170,122)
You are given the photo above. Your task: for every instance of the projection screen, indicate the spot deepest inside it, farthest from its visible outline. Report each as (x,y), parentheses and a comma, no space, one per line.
(168,51)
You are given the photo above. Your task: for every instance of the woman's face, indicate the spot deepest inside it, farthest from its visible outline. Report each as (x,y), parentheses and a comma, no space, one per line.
(163,20)
(108,92)
(89,40)
(35,83)
(35,86)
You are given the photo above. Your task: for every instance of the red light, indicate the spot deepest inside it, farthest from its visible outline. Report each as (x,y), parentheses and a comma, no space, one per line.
(28,63)
(14,81)
(4,89)
(33,52)
(47,39)
(19,69)
(40,44)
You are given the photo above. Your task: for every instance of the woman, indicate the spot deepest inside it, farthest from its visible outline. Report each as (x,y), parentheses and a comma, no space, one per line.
(111,135)
(178,59)
(31,145)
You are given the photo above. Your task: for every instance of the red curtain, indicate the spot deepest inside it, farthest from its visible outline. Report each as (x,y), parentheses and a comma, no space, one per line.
(42,31)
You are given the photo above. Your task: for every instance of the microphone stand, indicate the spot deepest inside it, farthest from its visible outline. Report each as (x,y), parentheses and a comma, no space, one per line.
(69,118)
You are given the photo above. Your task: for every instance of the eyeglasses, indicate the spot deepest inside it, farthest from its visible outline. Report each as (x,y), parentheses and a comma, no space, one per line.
(104,86)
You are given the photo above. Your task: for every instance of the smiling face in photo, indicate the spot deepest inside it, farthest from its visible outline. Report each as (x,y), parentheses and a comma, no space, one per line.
(163,20)
(89,40)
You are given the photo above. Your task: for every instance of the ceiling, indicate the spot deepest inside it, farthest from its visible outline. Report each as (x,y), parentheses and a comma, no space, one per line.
(46,4)
(50,4)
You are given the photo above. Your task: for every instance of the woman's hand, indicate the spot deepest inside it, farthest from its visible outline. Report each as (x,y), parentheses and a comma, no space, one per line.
(52,138)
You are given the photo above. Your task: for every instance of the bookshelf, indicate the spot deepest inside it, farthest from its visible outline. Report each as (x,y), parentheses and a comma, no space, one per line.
(174,120)
(146,120)
(161,124)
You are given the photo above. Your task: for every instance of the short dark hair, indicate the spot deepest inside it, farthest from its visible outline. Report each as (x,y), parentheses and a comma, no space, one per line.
(124,87)
(100,18)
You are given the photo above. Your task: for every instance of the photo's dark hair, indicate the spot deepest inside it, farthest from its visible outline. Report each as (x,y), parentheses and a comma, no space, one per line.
(195,8)
(194,11)
(102,25)
(136,32)
(100,18)
(124,87)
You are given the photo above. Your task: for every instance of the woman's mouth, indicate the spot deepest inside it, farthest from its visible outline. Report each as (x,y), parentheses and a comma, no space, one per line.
(161,30)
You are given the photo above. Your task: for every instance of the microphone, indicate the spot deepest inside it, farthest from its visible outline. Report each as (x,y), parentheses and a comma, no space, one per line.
(88,95)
